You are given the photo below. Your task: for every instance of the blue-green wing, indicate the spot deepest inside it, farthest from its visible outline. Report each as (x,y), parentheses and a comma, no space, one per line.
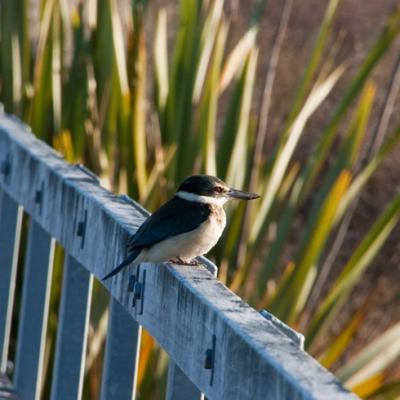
(173,218)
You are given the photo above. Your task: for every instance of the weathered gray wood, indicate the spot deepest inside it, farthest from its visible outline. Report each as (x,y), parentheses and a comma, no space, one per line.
(292,334)
(179,386)
(72,332)
(183,307)
(121,355)
(33,314)
(10,231)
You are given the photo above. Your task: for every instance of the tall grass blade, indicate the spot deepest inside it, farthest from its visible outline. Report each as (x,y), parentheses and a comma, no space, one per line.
(345,159)
(360,260)
(261,130)
(41,101)
(236,174)
(16,74)
(305,271)
(138,117)
(315,58)
(286,148)
(378,50)
(340,344)
(80,117)
(119,51)
(386,391)
(209,105)
(365,174)
(236,58)
(179,104)
(374,358)
(156,175)
(56,63)
(161,63)
(12,54)
(207,42)
(24,40)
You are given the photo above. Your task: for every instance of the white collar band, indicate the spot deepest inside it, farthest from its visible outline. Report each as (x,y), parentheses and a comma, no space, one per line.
(217,201)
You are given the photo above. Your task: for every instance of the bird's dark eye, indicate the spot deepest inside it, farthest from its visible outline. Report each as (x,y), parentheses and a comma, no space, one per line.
(219,189)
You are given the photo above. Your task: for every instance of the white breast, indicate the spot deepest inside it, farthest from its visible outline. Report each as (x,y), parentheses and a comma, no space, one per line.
(187,245)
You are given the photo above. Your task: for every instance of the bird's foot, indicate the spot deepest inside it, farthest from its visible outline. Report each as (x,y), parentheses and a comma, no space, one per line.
(180,261)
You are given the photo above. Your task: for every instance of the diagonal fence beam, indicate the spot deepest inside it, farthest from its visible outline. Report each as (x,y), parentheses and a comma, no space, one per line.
(223,346)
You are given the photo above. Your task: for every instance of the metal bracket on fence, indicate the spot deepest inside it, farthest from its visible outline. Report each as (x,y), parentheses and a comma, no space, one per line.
(136,287)
(296,337)
(209,361)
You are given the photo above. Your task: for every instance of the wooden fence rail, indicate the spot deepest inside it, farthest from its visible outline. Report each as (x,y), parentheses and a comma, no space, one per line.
(218,345)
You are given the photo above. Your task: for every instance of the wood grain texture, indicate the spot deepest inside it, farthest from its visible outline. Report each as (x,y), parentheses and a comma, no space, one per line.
(121,356)
(34,312)
(10,233)
(183,307)
(69,360)
(179,387)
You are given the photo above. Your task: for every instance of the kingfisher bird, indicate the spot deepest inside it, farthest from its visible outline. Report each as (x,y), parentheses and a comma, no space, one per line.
(185,227)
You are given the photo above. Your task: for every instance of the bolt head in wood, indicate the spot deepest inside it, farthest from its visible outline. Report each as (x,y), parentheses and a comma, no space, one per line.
(137,293)
(38,196)
(81,229)
(208,363)
(132,281)
(5,167)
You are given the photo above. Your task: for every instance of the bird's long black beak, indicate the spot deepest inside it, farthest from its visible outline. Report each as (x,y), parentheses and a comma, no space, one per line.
(240,194)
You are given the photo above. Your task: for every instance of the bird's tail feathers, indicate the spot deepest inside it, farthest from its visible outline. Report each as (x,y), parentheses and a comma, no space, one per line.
(124,263)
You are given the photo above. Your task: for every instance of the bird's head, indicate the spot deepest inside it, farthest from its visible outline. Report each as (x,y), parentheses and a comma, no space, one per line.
(210,189)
